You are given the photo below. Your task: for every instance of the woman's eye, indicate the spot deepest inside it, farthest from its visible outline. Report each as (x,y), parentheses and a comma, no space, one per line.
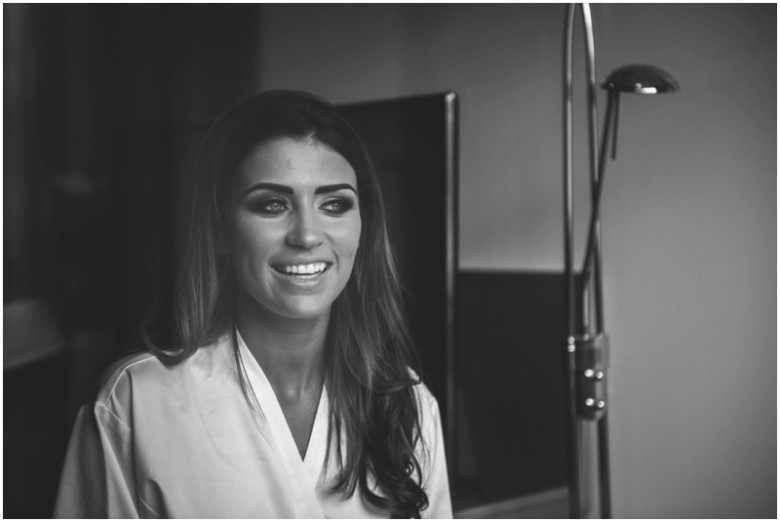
(338,206)
(268,206)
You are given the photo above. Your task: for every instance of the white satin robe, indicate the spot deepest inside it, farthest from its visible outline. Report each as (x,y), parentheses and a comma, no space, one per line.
(182,441)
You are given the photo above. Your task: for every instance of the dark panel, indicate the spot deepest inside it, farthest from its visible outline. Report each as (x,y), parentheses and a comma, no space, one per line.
(408,142)
(511,385)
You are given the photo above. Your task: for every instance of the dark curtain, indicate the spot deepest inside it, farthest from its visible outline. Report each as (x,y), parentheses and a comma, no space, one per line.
(104,108)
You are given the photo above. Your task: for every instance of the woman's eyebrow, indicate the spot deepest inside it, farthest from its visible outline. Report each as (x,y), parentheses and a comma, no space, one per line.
(325,189)
(284,189)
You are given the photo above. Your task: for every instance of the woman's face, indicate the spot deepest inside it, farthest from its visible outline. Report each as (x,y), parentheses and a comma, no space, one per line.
(293,226)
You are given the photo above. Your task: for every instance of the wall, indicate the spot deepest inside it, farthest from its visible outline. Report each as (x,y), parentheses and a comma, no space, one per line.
(689,207)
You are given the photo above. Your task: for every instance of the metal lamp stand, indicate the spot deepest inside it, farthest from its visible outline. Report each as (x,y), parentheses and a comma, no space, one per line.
(587,349)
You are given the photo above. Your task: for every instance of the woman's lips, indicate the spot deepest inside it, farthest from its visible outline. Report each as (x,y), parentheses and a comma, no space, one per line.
(303,271)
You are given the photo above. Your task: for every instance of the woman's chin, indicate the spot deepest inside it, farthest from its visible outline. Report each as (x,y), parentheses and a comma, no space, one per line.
(308,314)
(299,309)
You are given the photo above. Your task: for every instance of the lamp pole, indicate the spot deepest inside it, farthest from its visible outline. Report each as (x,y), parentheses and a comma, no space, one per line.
(574,340)
(587,351)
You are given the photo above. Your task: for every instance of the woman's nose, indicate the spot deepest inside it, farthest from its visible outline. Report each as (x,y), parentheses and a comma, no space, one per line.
(305,231)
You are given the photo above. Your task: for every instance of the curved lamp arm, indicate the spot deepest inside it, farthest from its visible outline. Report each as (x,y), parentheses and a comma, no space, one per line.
(587,354)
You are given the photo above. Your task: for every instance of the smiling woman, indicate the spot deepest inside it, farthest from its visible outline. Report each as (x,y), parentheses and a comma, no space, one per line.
(294,233)
(279,380)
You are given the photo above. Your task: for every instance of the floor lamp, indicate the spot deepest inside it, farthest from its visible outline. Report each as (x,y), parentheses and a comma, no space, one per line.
(586,344)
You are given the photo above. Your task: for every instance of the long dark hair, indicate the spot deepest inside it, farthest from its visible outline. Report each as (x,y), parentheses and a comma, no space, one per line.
(368,349)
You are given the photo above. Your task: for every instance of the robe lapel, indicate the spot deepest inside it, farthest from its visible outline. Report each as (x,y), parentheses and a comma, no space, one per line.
(302,474)
(314,461)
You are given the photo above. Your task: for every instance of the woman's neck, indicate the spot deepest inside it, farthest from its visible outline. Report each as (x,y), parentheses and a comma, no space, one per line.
(290,351)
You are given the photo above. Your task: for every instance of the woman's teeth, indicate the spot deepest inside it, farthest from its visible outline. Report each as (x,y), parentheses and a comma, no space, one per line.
(309,269)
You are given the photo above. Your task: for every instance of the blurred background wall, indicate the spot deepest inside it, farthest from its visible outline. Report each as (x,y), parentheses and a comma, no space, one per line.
(96,98)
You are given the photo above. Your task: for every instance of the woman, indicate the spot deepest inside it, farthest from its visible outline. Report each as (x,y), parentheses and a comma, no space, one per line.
(286,388)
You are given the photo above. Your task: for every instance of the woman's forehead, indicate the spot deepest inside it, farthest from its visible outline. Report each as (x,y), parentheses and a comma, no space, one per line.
(296,163)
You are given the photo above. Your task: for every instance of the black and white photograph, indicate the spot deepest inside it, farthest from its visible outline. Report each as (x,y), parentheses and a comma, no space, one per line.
(376,260)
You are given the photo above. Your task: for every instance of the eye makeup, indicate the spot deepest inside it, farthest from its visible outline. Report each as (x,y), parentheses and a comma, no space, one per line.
(269,201)
(267,205)
(338,205)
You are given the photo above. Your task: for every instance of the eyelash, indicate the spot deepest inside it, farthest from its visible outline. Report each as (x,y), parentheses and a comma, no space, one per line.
(264,206)
(343,205)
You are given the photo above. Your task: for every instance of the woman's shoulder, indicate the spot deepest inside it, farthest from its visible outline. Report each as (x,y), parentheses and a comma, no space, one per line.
(137,364)
(142,372)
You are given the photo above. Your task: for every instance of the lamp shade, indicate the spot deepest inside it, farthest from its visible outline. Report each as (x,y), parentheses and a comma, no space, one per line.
(640,79)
